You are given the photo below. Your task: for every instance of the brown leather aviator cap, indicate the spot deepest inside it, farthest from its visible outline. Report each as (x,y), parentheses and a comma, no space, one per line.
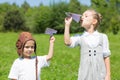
(23,38)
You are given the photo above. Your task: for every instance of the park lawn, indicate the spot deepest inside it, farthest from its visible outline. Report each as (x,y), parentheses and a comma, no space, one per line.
(65,62)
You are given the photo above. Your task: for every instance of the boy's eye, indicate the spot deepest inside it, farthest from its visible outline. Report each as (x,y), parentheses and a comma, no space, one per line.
(29,47)
(32,47)
(26,47)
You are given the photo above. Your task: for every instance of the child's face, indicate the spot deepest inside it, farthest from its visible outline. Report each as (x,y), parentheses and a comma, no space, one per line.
(87,19)
(28,49)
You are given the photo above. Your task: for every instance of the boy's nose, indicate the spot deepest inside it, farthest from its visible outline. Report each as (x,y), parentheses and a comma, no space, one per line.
(30,48)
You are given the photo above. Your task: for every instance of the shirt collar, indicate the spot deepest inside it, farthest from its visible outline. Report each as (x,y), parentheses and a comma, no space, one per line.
(94,33)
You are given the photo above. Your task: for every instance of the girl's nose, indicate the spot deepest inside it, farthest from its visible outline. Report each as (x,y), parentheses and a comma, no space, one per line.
(82,17)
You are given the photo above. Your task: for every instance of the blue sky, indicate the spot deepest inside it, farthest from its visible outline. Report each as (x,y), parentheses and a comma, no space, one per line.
(37,2)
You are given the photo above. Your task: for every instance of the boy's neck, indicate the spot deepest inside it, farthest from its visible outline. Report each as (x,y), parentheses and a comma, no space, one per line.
(27,57)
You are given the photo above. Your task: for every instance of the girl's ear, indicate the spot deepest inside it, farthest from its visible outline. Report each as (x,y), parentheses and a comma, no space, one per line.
(95,21)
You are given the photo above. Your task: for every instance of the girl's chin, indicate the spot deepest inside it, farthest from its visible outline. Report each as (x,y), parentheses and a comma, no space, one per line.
(82,25)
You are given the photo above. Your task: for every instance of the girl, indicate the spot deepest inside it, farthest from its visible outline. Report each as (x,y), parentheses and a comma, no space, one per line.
(95,62)
(27,67)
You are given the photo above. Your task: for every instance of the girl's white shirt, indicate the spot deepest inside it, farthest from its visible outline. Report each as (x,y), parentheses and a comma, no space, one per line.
(92,40)
(24,69)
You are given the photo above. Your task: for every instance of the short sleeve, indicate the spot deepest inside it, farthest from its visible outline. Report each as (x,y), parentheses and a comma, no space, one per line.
(75,41)
(106,50)
(42,60)
(14,71)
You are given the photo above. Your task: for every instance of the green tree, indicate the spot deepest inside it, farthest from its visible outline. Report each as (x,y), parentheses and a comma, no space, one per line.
(3,9)
(74,6)
(110,12)
(42,19)
(118,5)
(115,26)
(102,7)
(30,18)
(25,6)
(14,21)
(58,15)
(115,18)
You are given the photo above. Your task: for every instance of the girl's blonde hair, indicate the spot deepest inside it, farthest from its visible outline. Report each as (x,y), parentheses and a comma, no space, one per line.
(96,16)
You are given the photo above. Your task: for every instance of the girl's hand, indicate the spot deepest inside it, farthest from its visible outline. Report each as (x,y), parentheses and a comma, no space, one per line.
(52,39)
(107,77)
(68,21)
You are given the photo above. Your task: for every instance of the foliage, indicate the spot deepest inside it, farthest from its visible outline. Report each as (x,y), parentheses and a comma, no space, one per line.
(111,16)
(74,6)
(25,6)
(13,20)
(58,14)
(30,18)
(3,9)
(42,19)
(115,25)
(36,19)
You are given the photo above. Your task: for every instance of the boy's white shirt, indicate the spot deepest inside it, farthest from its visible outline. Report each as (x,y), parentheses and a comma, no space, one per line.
(24,69)
(92,40)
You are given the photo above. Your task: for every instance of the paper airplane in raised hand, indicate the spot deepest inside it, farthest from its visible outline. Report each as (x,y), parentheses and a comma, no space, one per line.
(50,31)
(76,17)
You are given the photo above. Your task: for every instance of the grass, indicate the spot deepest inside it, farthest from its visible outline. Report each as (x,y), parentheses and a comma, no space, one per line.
(65,62)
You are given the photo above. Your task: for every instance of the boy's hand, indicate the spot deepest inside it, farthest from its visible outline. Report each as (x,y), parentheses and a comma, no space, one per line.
(52,39)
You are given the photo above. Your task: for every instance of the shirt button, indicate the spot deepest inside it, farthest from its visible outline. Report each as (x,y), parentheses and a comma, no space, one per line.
(94,50)
(89,50)
(89,54)
(94,54)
